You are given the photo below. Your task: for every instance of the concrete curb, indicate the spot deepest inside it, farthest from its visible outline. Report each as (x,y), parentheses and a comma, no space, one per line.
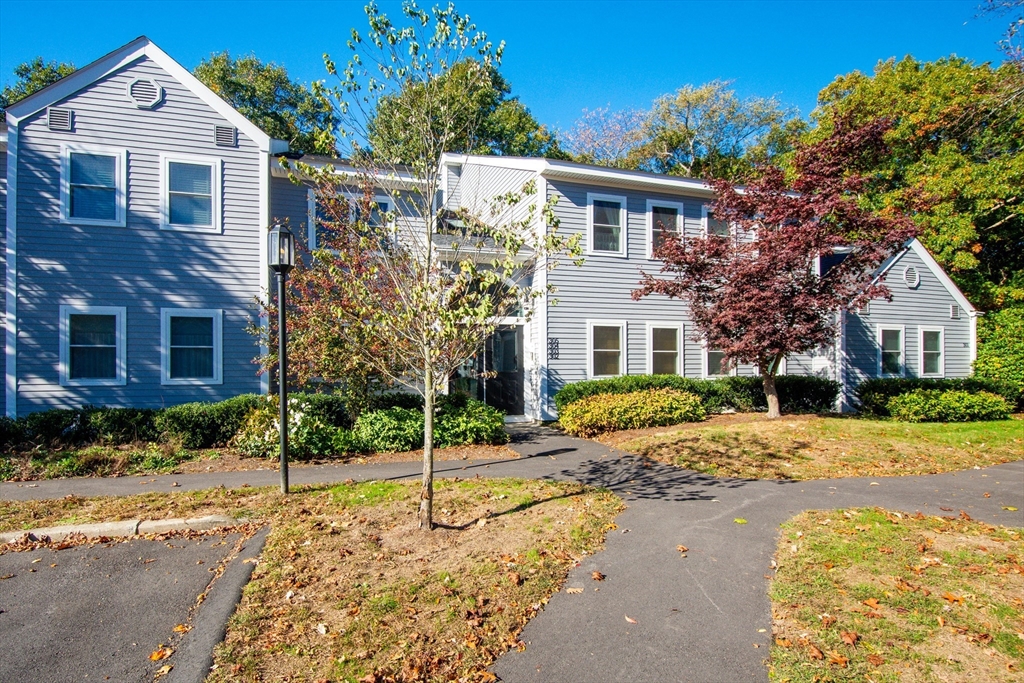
(131,527)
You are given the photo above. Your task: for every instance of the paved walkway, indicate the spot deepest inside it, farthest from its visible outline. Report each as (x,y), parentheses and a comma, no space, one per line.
(698,618)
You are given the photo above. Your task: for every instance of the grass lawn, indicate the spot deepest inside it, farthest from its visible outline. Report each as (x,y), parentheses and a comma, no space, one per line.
(871,595)
(813,447)
(347,589)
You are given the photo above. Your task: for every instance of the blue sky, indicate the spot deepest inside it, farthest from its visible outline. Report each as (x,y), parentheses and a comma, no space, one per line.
(561,57)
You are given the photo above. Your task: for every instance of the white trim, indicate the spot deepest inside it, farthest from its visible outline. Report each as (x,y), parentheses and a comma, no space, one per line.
(839,361)
(120,343)
(143,105)
(165,344)
(11,289)
(649,221)
(124,56)
(973,323)
(310,218)
(704,350)
(678,327)
(120,180)
(623,250)
(216,210)
(921,329)
(936,270)
(540,319)
(911,277)
(623,331)
(903,350)
(704,211)
(262,294)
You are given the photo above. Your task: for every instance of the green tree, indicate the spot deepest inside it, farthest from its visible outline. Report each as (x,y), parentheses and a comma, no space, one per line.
(32,76)
(956,166)
(1001,348)
(702,131)
(488,120)
(264,94)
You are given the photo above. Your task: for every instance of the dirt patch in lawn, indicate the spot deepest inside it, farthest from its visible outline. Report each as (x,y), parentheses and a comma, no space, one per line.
(116,461)
(868,594)
(816,447)
(347,588)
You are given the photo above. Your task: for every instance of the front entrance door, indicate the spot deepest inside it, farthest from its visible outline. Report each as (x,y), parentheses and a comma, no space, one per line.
(495,375)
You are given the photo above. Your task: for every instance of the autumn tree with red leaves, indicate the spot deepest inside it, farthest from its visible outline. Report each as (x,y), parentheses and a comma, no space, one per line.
(758,296)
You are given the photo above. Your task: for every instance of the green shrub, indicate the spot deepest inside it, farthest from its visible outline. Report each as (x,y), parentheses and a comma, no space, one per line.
(873,395)
(55,427)
(635,410)
(309,435)
(797,393)
(930,405)
(117,426)
(207,425)
(1001,351)
(391,430)
(328,408)
(12,433)
(396,399)
(473,423)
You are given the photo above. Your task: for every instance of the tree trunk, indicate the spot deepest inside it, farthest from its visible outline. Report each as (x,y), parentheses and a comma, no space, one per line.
(427,489)
(768,381)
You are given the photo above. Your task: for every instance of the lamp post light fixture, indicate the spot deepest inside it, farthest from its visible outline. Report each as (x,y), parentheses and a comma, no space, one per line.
(281,258)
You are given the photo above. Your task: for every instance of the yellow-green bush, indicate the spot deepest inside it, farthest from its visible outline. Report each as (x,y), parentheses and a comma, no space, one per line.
(611,412)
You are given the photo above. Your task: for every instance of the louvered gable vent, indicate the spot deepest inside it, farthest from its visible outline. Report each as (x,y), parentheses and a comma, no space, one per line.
(954,312)
(145,93)
(58,119)
(225,136)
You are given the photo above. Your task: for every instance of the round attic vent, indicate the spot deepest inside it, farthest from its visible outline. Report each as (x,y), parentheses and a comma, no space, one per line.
(911,277)
(145,93)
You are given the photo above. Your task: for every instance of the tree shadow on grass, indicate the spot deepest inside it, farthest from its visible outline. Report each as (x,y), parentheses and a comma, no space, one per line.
(728,453)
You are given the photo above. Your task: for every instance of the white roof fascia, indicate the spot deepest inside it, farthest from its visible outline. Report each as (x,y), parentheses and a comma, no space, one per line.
(340,168)
(123,56)
(940,274)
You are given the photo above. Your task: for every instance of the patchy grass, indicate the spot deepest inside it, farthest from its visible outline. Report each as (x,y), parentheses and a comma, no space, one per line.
(871,595)
(348,589)
(813,447)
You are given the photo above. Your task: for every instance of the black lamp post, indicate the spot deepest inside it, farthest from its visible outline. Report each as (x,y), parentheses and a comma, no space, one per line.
(281,257)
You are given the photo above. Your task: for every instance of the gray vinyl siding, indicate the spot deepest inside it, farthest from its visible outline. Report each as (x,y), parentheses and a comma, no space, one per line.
(601,289)
(3,255)
(289,204)
(140,266)
(927,305)
(479,185)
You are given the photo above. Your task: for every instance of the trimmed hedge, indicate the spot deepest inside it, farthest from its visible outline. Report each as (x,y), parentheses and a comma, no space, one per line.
(1001,350)
(929,405)
(797,393)
(601,413)
(207,425)
(474,423)
(873,395)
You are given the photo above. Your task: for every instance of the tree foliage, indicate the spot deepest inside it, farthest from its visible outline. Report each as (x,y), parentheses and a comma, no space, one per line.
(758,296)
(279,106)
(956,162)
(32,76)
(488,119)
(705,131)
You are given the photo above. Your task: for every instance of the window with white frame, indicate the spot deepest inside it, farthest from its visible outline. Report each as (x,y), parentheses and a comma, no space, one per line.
(714,363)
(664,344)
(93,181)
(606,218)
(890,351)
(191,346)
(663,219)
(606,348)
(713,226)
(190,196)
(92,345)
(378,217)
(932,359)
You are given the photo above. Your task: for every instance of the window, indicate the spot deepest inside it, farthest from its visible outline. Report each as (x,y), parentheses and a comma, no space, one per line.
(714,360)
(92,185)
(663,218)
(713,226)
(606,223)
(190,198)
(606,347)
(664,349)
(92,345)
(190,346)
(378,215)
(890,351)
(932,357)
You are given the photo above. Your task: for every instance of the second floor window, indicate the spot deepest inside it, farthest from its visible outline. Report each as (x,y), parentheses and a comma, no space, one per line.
(713,226)
(664,218)
(607,224)
(92,186)
(191,196)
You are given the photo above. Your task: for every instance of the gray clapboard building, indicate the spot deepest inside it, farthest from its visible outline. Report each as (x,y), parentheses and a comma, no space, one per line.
(135,205)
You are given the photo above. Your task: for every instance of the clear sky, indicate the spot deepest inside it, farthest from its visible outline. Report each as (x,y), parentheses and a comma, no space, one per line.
(561,57)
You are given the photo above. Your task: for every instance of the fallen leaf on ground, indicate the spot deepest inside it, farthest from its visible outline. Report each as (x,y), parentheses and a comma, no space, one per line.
(945,509)
(573,591)
(953,599)
(182,628)
(964,516)
(838,659)
(783,642)
(161,653)
(876,660)
(597,576)
(814,653)
(872,603)
(849,637)
(163,670)
(827,620)
(682,548)
(632,621)
(740,520)
(1010,508)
